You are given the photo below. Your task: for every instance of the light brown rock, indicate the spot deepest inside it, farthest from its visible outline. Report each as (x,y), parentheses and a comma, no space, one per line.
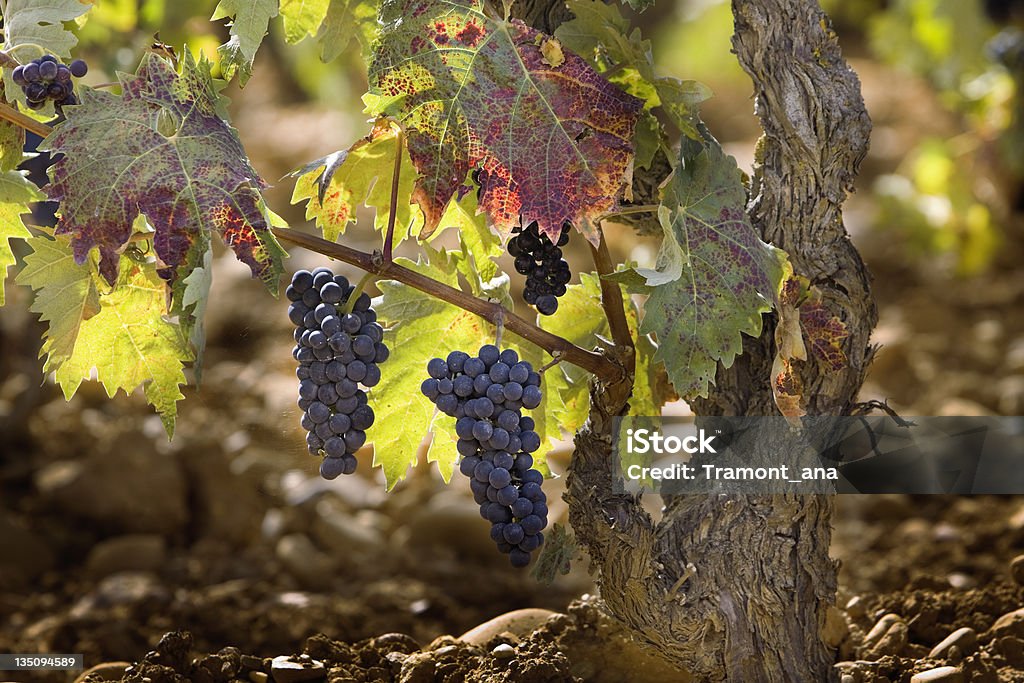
(943,674)
(894,640)
(963,638)
(521,622)
(1017,569)
(1010,624)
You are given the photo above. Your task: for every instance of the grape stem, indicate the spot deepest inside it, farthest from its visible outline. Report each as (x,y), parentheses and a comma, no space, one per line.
(611,294)
(360,286)
(9,113)
(594,363)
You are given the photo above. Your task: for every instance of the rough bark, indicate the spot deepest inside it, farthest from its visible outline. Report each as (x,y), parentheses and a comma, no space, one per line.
(735,588)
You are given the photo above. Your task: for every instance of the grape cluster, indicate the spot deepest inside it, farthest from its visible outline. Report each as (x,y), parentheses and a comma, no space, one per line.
(337,352)
(547,273)
(486,394)
(47,79)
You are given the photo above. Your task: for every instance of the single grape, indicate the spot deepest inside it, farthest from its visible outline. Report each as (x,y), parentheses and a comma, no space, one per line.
(48,70)
(78,68)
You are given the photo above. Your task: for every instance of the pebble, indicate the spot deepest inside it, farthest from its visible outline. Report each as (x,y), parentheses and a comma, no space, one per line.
(258,677)
(1017,569)
(128,553)
(521,622)
(287,669)
(855,607)
(847,678)
(943,674)
(503,651)
(965,639)
(888,637)
(1010,624)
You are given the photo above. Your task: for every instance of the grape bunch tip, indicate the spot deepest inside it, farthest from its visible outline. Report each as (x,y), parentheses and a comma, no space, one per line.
(338,353)
(46,78)
(486,394)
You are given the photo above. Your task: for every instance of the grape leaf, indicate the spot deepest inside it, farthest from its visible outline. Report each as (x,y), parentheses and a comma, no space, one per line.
(479,244)
(333,23)
(161,150)
(65,296)
(335,186)
(12,145)
(248,26)
(790,351)
(302,18)
(727,277)
(194,298)
(552,144)
(124,334)
(15,194)
(42,22)
(824,332)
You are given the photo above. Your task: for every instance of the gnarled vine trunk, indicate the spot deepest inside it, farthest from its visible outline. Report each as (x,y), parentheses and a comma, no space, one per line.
(736,588)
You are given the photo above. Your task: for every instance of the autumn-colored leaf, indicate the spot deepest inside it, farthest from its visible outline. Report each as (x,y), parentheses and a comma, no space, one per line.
(824,332)
(161,150)
(790,352)
(552,143)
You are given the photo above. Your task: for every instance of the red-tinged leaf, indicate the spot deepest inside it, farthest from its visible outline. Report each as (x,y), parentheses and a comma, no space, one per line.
(551,137)
(162,150)
(824,333)
(787,385)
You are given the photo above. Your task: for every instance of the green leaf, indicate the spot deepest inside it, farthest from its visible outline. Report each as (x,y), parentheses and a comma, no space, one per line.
(480,246)
(334,187)
(66,295)
(302,18)
(581,320)
(552,139)
(161,150)
(124,334)
(194,298)
(347,19)
(12,145)
(248,26)
(30,23)
(727,276)
(15,194)
(42,22)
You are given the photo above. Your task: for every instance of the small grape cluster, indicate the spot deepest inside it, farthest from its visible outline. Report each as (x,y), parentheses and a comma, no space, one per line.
(47,79)
(547,273)
(337,352)
(486,394)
